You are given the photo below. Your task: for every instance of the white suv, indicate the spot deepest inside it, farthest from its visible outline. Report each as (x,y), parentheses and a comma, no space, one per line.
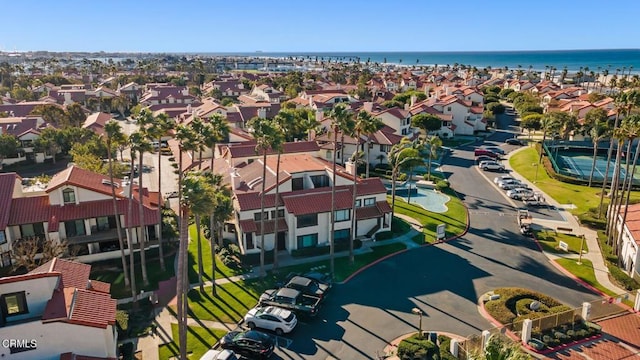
(519,193)
(491,165)
(281,321)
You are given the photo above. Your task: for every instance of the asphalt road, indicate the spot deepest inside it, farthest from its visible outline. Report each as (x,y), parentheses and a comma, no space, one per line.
(445,281)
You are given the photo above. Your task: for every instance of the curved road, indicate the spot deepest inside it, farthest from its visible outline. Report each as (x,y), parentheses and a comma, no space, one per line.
(444,281)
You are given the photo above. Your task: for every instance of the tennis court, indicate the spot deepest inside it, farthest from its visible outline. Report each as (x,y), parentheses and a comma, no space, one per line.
(579,164)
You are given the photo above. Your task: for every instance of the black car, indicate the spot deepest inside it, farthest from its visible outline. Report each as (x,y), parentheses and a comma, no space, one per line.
(308,286)
(482,158)
(252,344)
(514,141)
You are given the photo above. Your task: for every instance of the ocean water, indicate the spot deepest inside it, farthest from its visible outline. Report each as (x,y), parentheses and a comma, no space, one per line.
(573,60)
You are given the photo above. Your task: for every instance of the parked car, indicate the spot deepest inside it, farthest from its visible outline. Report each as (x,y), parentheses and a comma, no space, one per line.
(219,355)
(291,299)
(514,141)
(252,344)
(497,179)
(495,149)
(280,321)
(485,152)
(491,165)
(509,184)
(308,286)
(482,158)
(519,193)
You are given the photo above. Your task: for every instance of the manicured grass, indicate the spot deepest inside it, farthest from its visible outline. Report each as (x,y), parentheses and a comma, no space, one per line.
(232,300)
(222,270)
(110,271)
(584,272)
(199,341)
(455,218)
(550,242)
(583,197)
(342,267)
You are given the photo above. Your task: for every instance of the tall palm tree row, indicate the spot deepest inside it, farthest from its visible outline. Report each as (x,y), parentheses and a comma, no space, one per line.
(597,127)
(277,140)
(341,121)
(620,135)
(221,213)
(198,129)
(114,134)
(631,125)
(619,103)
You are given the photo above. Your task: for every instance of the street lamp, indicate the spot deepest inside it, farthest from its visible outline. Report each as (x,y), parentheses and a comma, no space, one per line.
(581,248)
(419,313)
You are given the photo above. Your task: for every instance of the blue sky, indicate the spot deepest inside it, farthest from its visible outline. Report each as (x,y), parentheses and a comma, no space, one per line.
(327,25)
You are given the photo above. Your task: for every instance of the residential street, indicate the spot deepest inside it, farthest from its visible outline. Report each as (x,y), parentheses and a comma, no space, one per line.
(445,281)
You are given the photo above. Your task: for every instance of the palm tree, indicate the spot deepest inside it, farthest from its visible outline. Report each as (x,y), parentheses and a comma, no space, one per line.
(433,143)
(619,134)
(198,197)
(221,213)
(599,131)
(400,153)
(263,130)
(199,132)
(160,126)
(366,125)
(619,106)
(185,136)
(631,125)
(341,118)
(113,131)
(355,159)
(549,122)
(130,221)
(277,139)
(140,145)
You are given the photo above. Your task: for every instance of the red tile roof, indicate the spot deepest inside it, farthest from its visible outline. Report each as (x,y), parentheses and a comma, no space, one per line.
(99,286)
(249,226)
(7,183)
(29,210)
(633,221)
(369,212)
(306,202)
(251,201)
(79,177)
(92,308)
(383,206)
(74,274)
(237,151)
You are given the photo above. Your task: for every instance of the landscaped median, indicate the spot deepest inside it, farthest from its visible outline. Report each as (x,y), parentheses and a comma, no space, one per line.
(455,218)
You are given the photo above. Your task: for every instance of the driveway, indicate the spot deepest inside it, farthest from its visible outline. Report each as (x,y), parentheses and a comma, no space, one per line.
(444,281)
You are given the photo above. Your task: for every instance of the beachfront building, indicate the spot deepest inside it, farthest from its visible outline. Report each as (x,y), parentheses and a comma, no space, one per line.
(305,185)
(55,312)
(630,246)
(76,206)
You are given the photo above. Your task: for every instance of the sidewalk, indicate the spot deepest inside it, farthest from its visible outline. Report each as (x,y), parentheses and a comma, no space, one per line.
(591,237)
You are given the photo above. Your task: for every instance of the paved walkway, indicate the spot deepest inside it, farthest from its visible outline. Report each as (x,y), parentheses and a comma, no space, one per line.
(591,237)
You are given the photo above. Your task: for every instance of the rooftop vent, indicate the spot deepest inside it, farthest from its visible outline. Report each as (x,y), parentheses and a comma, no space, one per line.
(107,182)
(254,182)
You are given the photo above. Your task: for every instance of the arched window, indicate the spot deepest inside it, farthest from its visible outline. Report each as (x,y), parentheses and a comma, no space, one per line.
(69,196)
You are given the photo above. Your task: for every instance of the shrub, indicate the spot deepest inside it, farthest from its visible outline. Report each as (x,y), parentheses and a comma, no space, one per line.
(384,235)
(442,185)
(402,177)
(254,258)
(413,347)
(621,277)
(505,310)
(321,250)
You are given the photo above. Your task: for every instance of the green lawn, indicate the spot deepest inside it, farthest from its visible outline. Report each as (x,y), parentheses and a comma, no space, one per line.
(342,267)
(232,302)
(584,272)
(455,218)
(583,197)
(199,340)
(222,270)
(550,242)
(110,271)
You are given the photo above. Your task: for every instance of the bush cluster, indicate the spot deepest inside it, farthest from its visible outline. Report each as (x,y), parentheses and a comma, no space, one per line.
(321,250)
(414,347)
(505,309)
(622,278)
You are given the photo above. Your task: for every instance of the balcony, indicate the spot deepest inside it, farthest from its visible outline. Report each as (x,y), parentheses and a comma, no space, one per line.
(106,235)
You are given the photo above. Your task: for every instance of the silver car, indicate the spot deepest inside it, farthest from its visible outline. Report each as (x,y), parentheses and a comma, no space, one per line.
(281,321)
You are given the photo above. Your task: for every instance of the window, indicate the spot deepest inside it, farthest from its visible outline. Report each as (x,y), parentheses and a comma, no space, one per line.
(369,201)
(257,217)
(449,108)
(307,220)
(31,230)
(309,240)
(14,304)
(320,181)
(341,235)
(358,203)
(342,215)
(69,196)
(297,184)
(74,228)
(5,259)
(280,213)
(329,154)
(3,239)
(249,238)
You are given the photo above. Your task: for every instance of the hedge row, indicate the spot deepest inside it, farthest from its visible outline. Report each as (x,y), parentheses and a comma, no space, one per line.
(505,309)
(322,250)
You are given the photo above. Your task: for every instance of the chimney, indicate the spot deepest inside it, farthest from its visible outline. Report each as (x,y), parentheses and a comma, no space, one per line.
(262,113)
(350,166)
(189,109)
(413,100)
(406,107)
(125,186)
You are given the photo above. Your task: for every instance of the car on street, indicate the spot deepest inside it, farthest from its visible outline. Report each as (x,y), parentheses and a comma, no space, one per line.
(509,184)
(280,321)
(497,179)
(514,141)
(308,286)
(491,165)
(291,299)
(486,152)
(482,158)
(219,355)
(519,193)
(252,344)
(495,149)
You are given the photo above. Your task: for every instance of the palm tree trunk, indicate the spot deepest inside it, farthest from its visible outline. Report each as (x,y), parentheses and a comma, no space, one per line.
(593,164)
(619,196)
(132,262)
(142,239)
(213,254)
(160,249)
(123,257)
(366,144)
(354,232)
(429,165)
(394,176)
(614,190)
(606,172)
(409,183)
(264,174)
(627,198)
(199,243)
(275,224)
(333,204)
(180,293)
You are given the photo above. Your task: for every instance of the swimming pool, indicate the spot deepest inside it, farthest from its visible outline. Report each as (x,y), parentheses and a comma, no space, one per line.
(429,199)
